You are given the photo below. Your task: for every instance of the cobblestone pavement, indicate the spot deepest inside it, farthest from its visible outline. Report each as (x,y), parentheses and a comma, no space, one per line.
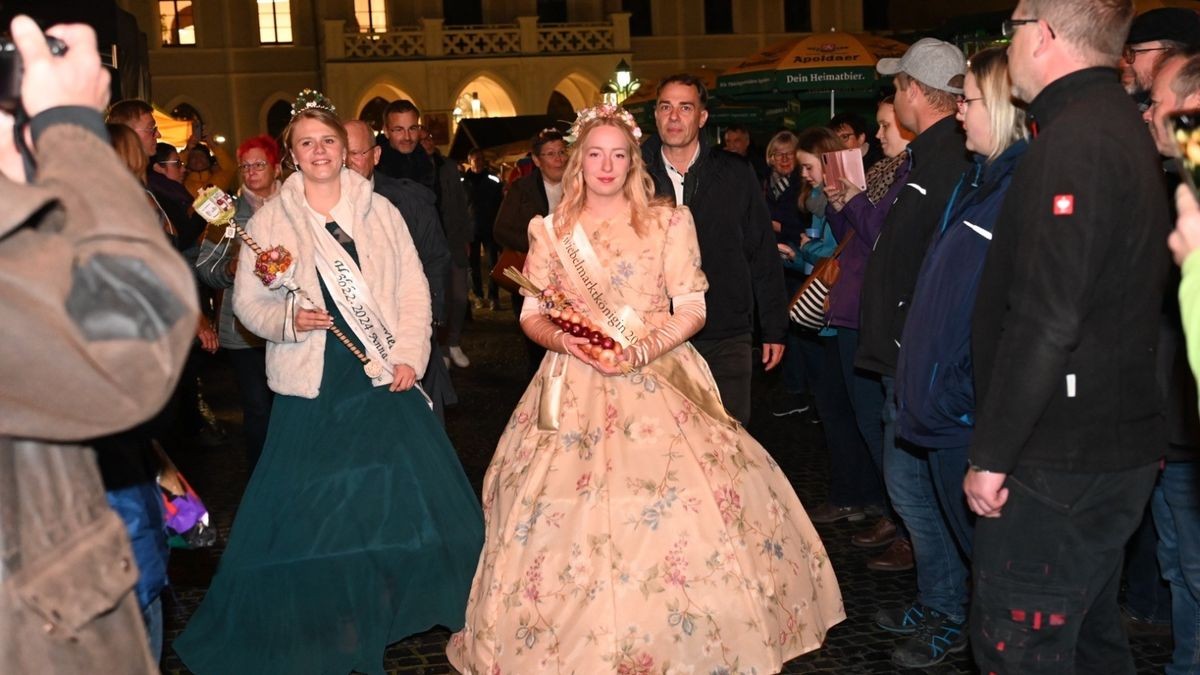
(488,391)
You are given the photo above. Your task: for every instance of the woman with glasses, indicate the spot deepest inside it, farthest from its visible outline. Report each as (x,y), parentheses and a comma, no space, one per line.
(358,528)
(935,383)
(165,180)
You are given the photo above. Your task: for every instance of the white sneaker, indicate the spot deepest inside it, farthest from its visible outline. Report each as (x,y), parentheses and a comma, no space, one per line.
(458,358)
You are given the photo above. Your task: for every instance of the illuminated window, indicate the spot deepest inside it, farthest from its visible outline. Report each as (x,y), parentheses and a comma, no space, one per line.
(176,21)
(372,18)
(274,22)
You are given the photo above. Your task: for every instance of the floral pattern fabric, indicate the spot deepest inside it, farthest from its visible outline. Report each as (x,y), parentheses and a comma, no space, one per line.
(642,536)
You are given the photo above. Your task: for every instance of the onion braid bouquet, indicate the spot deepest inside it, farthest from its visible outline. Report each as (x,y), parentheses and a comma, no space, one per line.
(555,306)
(274,266)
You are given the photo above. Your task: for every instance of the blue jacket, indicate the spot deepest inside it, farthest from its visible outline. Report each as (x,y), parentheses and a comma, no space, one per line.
(935,383)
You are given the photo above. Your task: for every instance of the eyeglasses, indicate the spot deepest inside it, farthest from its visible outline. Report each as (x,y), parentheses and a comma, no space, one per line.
(1009,26)
(964,103)
(247,167)
(170,162)
(153,129)
(846,136)
(1130,54)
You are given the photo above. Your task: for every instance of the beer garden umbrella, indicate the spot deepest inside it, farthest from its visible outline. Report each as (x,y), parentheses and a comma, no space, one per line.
(811,67)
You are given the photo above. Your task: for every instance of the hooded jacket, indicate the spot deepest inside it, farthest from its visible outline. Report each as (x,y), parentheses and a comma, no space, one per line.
(935,384)
(737,245)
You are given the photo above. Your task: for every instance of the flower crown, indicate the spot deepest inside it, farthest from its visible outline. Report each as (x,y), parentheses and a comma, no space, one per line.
(311,98)
(605,111)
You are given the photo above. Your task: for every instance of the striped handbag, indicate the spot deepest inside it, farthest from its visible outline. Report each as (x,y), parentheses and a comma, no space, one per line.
(809,305)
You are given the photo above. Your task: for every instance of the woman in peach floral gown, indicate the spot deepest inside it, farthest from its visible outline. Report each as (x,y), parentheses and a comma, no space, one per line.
(631,526)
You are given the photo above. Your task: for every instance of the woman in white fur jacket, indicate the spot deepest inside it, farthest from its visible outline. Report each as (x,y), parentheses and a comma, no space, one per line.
(358,527)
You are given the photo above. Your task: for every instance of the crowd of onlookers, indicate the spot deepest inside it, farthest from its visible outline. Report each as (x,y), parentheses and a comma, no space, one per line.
(909,394)
(1001,377)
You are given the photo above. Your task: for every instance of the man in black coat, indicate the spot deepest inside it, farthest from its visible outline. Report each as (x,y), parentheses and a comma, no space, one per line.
(737,244)
(416,204)
(1070,426)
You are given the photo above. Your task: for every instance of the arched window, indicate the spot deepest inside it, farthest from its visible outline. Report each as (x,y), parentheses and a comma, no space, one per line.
(274,22)
(278,116)
(371,16)
(372,112)
(177,24)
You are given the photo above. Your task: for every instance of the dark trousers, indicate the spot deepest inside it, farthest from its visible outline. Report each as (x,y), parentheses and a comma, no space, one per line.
(853,480)
(479,275)
(250,371)
(1048,569)
(731,361)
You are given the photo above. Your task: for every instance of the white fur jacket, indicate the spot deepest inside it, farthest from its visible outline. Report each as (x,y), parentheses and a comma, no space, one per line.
(390,268)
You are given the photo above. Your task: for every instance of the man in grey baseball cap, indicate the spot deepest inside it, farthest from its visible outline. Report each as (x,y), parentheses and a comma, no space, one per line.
(938,64)
(928,79)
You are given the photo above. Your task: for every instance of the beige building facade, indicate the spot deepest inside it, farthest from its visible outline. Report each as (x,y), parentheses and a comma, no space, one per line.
(240,63)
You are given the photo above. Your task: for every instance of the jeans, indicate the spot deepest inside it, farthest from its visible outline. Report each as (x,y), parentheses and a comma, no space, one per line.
(250,371)
(917,479)
(866,398)
(1048,569)
(852,482)
(152,615)
(731,361)
(1176,506)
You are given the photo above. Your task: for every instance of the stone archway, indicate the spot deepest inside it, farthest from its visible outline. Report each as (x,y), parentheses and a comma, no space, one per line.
(579,89)
(368,102)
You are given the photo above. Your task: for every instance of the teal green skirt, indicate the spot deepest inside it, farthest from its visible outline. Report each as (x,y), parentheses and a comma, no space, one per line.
(357,529)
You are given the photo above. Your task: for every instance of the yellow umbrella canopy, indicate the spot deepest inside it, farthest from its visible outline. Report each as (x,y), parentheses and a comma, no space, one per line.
(820,62)
(174,131)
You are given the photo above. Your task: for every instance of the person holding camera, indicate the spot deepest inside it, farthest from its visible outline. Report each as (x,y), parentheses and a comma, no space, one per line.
(101,313)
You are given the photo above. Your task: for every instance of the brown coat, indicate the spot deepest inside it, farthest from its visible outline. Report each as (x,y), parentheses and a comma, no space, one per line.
(99,313)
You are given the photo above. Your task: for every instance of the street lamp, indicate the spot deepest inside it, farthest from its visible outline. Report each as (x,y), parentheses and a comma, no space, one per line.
(622,85)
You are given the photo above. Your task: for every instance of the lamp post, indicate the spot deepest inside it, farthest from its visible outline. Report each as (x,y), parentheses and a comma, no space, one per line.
(622,85)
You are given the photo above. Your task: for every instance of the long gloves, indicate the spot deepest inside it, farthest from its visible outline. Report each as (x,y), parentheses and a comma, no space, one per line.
(689,316)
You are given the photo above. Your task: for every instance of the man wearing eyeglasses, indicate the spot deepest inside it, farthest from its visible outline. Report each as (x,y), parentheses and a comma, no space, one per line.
(418,207)
(1069,428)
(1153,36)
(139,116)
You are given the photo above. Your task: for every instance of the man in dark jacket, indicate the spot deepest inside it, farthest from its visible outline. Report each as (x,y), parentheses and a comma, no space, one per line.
(1064,335)
(928,81)
(107,311)
(536,194)
(737,245)
(416,205)
(483,201)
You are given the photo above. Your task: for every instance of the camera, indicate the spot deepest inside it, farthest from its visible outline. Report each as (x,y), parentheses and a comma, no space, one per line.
(11,69)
